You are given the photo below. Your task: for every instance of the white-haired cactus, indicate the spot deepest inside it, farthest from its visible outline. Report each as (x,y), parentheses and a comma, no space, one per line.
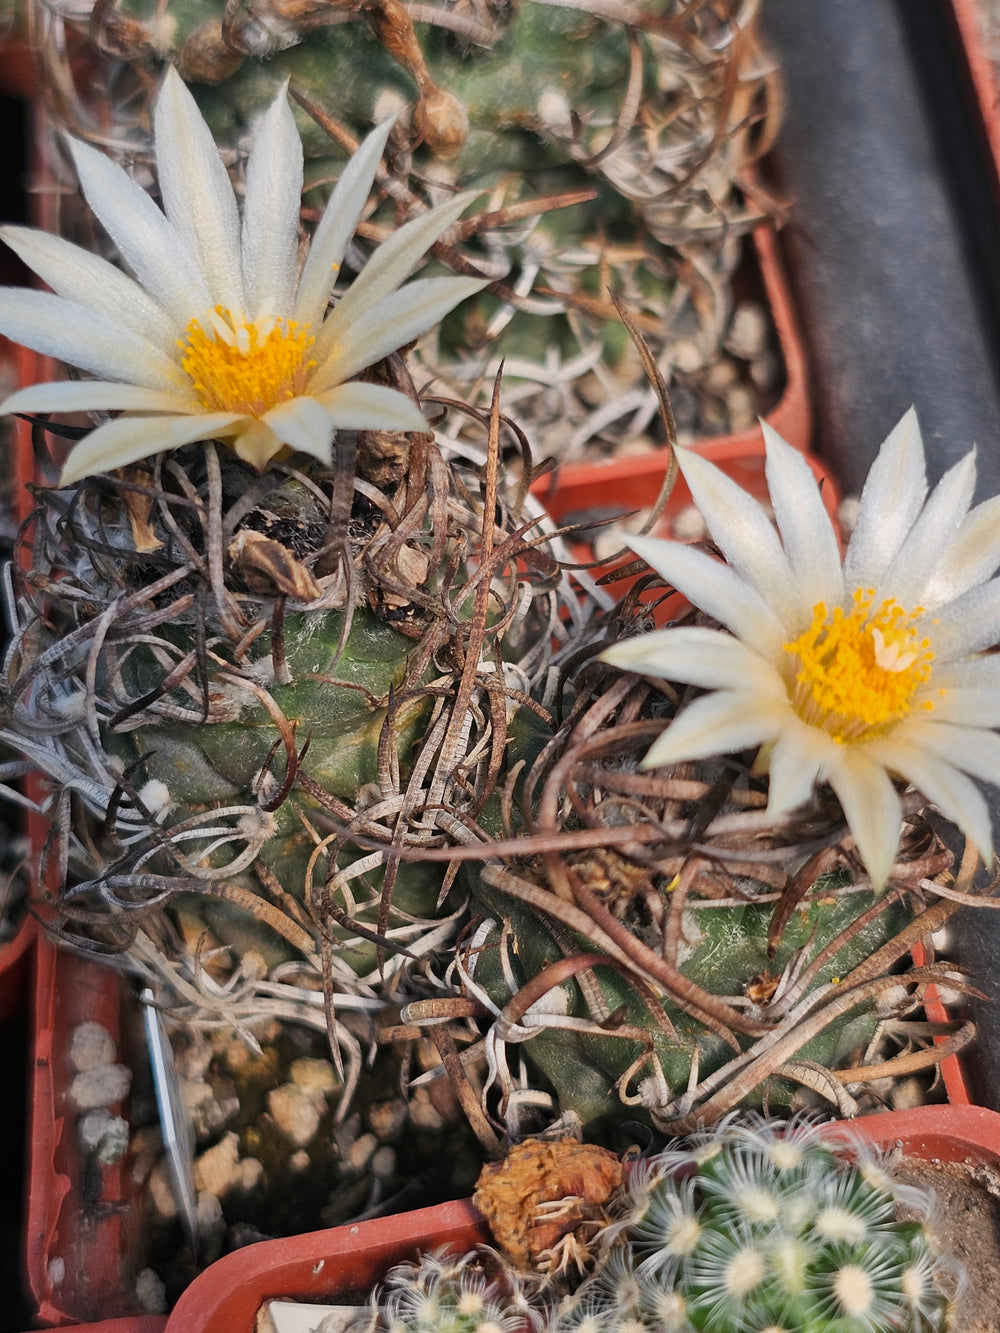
(760,1227)
(452,1294)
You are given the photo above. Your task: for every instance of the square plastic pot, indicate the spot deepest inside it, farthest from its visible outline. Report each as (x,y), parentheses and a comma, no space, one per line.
(83,1224)
(340,1265)
(85,1227)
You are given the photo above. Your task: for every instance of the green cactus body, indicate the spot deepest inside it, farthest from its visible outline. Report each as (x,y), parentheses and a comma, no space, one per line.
(756,1230)
(247,762)
(727,949)
(336,699)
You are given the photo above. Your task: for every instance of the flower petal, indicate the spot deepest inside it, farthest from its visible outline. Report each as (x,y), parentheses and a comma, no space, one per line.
(931,535)
(146,241)
(696,656)
(724,722)
(872,809)
(130,439)
(744,534)
(718,590)
(956,796)
(96,396)
(966,625)
(388,325)
(197,194)
(371,407)
(799,759)
(337,226)
(807,534)
(971,558)
(972,749)
(83,338)
(890,502)
(89,280)
(302,423)
(256,443)
(964,672)
(971,706)
(271,212)
(393,261)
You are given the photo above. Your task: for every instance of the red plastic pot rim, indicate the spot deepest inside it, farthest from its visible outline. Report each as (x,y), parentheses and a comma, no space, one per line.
(75,1261)
(351,1259)
(982,74)
(15,959)
(936,1133)
(627,484)
(141,1323)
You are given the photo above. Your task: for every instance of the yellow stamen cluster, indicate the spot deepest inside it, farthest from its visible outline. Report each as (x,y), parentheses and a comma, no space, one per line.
(246,367)
(856,671)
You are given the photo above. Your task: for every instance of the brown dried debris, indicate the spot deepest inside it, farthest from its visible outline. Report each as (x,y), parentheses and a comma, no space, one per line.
(546,1199)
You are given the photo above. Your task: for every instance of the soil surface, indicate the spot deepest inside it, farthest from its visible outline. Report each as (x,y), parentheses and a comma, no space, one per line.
(967,1223)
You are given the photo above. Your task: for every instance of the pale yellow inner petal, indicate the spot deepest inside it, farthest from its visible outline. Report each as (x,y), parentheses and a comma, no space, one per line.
(240,366)
(856,672)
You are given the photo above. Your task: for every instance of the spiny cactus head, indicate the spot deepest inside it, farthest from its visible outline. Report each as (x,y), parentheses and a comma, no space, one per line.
(759,1227)
(444,1293)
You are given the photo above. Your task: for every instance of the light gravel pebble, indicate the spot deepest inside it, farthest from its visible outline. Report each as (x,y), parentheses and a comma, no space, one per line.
(105,1135)
(423,1113)
(311,1075)
(907,1094)
(161,1191)
(362,1151)
(150,1292)
(689,524)
(296,1113)
(383,1163)
(748,331)
(217,1169)
(386,1120)
(90,1046)
(102,1085)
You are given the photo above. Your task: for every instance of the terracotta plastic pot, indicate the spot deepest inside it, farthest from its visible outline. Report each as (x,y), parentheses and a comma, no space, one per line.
(331,1265)
(320,1265)
(143,1323)
(596,491)
(791,417)
(981,74)
(83,1234)
(944,1133)
(590,494)
(15,952)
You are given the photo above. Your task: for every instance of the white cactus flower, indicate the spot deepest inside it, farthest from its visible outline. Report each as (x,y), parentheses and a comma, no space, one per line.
(843,671)
(217,336)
